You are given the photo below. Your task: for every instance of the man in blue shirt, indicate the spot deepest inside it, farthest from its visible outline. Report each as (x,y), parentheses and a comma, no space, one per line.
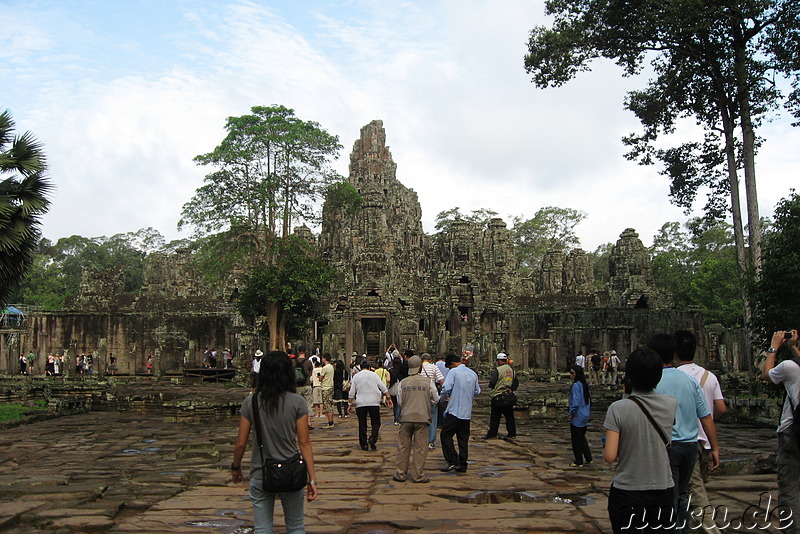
(691,407)
(460,386)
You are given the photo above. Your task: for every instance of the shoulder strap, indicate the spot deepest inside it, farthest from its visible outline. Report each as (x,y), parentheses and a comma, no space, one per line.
(647,414)
(257,423)
(703,380)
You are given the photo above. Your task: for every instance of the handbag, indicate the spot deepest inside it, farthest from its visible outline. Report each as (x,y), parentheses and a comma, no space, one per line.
(346,385)
(506,399)
(279,476)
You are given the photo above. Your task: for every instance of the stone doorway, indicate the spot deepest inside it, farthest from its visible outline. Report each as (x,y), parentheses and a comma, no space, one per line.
(374,329)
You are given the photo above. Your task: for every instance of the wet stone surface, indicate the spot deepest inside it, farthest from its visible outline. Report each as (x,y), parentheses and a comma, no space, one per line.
(135,472)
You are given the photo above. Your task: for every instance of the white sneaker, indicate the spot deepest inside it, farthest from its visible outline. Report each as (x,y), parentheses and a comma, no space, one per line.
(431,445)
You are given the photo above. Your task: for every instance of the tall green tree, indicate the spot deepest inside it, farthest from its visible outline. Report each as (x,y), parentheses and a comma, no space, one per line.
(269,171)
(714,62)
(296,282)
(696,263)
(23,200)
(550,228)
(776,294)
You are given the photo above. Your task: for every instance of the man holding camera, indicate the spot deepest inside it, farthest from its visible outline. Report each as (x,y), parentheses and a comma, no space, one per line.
(788,458)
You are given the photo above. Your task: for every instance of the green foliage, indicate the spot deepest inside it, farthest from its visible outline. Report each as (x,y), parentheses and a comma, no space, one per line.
(23,200)
(57,269)
(599,259)
(776,295)
(343,197)
(697,265)
(551,228)
(296,282)
(480,218)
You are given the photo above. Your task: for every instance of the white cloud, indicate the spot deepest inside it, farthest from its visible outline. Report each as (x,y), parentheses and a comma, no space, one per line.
(465,125)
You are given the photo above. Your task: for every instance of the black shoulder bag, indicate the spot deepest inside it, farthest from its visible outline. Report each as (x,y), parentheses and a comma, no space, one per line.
(279,476)
(667,441)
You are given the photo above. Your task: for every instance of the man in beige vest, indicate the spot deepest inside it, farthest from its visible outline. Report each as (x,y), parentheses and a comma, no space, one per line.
(503,379)
(415,396)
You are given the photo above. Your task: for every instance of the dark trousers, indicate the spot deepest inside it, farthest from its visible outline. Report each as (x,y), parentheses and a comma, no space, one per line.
(453,426)
(580,447)
(682,457)
(641,511)
(494,420)
(374,413)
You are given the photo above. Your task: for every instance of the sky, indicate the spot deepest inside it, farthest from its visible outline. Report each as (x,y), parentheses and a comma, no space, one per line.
(124,94)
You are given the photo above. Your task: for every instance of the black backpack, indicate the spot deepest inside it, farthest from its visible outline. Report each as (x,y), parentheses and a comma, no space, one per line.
(299,374)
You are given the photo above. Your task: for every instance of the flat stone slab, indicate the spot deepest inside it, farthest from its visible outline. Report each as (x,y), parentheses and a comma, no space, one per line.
(133,472)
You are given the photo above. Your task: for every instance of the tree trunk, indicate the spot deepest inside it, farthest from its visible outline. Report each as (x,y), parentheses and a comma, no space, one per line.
(748,158)
(277,326)
(738,233)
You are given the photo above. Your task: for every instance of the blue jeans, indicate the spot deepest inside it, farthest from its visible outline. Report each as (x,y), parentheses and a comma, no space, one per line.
(264,508)
(682,457)
(434,423)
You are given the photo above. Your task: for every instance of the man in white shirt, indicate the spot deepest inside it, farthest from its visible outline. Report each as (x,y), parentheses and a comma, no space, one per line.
(580,360)
(788,458)
(431,371)
(366,391)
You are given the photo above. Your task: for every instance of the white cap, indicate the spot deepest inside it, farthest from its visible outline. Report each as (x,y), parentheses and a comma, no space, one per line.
(502,356)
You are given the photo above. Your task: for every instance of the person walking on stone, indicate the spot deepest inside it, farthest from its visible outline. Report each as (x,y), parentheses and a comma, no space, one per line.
(431,371)
(326,382)
(416,394)
(460,388)
(283,418)
(503,379)
(580,403)
(637,438)
(595,366)
(366,391)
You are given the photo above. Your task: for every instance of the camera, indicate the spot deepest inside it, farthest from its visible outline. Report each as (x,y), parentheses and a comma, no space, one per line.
(787,334)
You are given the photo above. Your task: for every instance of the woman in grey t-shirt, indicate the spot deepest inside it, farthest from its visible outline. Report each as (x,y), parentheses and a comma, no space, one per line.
(284,429)
(642,494)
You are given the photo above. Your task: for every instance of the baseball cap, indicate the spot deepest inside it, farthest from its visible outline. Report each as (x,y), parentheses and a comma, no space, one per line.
(502,356)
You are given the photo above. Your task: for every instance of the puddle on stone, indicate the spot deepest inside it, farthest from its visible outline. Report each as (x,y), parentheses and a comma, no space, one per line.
(152,449)
(149,440)
(229,513)
(502,497)
(225,524)
(132,451)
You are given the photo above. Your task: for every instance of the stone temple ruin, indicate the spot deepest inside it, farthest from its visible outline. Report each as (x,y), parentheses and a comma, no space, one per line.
(449,291)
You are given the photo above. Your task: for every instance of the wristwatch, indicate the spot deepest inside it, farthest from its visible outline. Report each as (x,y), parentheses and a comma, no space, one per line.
(771,350)
(236,467)
(312,482)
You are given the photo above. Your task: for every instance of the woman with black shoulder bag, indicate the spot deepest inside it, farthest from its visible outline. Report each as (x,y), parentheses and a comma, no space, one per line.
(282,461)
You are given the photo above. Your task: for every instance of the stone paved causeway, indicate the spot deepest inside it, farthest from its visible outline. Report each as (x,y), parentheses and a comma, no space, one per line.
(132,472)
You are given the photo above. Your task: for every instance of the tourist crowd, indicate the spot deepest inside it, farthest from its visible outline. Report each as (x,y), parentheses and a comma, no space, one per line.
(660,434)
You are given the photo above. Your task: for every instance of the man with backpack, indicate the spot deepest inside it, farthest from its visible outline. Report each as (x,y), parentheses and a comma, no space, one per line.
(788,458)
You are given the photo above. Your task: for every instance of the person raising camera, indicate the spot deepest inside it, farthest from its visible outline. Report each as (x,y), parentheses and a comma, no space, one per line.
(788,458)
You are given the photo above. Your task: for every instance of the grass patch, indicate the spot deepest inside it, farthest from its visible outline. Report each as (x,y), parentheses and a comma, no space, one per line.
(13,412)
